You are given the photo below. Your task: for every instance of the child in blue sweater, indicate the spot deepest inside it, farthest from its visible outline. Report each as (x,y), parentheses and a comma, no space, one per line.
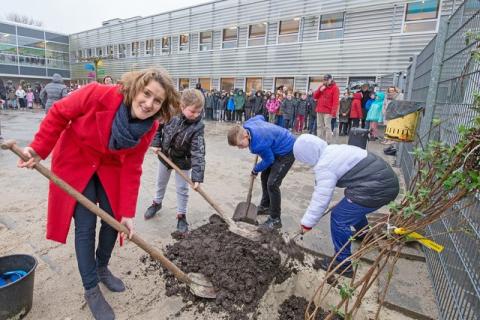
(275,146)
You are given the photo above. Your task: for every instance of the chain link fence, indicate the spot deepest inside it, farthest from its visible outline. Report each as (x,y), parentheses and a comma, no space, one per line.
(444,77)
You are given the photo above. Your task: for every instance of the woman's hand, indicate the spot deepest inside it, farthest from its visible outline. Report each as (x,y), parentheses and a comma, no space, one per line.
(155,149)
(196,185)
(33,158)
(127,222)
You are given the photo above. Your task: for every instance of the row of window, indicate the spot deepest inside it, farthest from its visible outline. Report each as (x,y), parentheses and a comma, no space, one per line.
(14,59)
(420,16)
(12,39)
(252,84)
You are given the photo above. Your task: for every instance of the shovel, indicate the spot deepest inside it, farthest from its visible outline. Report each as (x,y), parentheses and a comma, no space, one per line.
(198,283)
(245,210)
(244,230)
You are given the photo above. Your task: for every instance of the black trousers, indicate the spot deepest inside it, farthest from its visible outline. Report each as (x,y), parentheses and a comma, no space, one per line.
(272,180)
(85,224)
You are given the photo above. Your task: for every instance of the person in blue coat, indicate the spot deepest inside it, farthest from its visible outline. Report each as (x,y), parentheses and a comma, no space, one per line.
(274,145)
(230,107)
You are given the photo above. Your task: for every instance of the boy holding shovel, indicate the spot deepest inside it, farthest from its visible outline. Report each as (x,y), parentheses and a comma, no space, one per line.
(369,183)
(275,146)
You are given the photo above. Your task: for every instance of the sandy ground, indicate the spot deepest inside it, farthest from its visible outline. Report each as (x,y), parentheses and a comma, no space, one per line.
(58,292)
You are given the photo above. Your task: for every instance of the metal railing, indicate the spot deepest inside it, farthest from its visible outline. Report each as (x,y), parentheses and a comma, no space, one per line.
(444,77)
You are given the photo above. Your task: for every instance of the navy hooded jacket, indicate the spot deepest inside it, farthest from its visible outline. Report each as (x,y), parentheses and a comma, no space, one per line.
(268,141)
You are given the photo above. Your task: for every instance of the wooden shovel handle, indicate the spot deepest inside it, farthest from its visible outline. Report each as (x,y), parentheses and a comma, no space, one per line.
(156,254)
(199,189)
(250,188)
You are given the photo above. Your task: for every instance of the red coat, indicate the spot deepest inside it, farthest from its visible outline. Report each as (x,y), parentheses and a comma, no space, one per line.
(328,99)
(78,129)
(356,110)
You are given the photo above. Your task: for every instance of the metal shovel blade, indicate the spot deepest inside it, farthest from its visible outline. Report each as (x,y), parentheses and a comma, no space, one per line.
(245,213)
(201,287)
(246,230)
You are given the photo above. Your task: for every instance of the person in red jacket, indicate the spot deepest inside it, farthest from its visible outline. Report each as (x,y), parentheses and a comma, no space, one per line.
(327,96)
(356,112)
(99,136)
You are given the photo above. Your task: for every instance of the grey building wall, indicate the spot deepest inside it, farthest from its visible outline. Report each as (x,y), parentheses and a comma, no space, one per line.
(372,43)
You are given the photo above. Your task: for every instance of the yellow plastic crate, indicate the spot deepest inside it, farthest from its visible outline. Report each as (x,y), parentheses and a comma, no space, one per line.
(402,129)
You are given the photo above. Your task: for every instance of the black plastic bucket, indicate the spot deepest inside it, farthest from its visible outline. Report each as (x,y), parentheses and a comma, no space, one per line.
(16,298)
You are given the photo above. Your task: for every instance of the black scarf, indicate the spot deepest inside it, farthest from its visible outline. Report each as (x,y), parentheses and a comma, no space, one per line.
(126,131)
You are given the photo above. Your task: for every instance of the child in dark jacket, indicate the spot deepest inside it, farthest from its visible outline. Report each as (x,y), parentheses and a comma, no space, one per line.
(287,109)
(344,113)
(181,139)
(275,146)
(301,112)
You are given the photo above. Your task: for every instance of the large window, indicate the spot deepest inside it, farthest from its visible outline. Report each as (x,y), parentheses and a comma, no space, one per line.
(135,49)
(257,34)
(110,51)
(183,83)
(331,26)
(314,83)
(99,51)
(285,82)
(421,16)
(56,46)
(206,41)
(253,85)
(122,50)
(205,83)
(166,41)
(149,46)
(184,43)
(288,30)
(8,58)
(227,84)
(8,48)
(31,42)
(356,83)
(8,38)
(230,38)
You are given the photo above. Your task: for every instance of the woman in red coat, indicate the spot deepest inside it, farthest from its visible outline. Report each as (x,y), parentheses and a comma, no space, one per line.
(99,136)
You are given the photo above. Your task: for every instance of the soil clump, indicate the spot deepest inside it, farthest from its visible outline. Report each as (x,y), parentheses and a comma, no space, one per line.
(294,309)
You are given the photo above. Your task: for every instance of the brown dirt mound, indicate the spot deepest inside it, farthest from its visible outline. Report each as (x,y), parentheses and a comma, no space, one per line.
(240,269)
(294,309)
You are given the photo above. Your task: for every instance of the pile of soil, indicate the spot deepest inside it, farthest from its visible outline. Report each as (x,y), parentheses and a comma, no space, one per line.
(294,309)
(241,270)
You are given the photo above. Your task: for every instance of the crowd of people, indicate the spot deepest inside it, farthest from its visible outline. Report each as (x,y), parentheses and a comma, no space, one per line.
(25,95)
(305,111)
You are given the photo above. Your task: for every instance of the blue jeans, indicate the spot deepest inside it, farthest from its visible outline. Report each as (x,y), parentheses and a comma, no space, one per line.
(345,215)
(85,224)
(312,124)
(280,121)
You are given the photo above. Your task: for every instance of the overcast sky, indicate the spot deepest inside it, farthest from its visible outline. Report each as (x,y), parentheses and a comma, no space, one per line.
(78,15)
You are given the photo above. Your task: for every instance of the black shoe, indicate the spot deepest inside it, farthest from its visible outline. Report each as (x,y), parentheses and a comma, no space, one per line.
(113,283)
(152,210)
(263,211)
(390,152)
(182,224)
(99,307)
(271,223)
(345,270)
(390,147)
